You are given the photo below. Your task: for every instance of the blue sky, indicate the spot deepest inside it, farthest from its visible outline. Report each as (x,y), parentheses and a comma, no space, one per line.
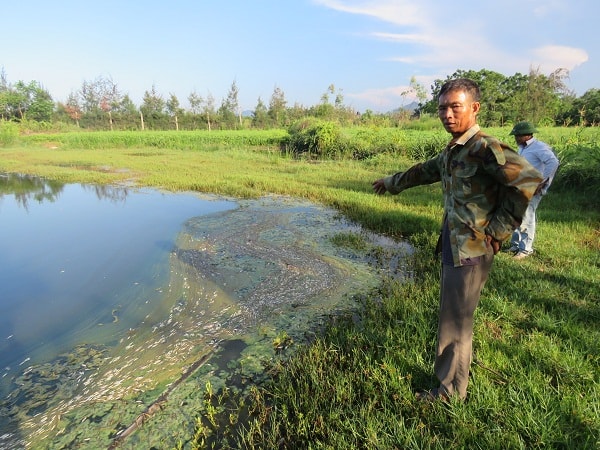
(368,49)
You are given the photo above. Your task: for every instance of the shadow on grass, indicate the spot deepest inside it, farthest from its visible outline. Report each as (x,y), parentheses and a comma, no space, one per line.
(568,298)
(399,215)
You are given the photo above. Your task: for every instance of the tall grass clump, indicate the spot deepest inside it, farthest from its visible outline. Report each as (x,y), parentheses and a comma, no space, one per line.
(578,150)
(315,138)
(9,133)
(579,153)
(424,146)
(318,139)
(425,123)
(366,142)
(580,169)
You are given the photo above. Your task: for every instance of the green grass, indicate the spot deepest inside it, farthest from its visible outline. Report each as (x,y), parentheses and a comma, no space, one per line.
(181,140)
(535,382)
(536,378)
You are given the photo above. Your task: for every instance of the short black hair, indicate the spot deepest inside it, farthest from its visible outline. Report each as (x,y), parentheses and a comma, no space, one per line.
(462,84)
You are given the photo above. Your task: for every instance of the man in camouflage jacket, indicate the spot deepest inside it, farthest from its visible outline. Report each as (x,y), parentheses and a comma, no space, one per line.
(487,187)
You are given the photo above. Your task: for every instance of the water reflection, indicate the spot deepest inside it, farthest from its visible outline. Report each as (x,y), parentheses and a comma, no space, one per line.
(26,188)
(108,295)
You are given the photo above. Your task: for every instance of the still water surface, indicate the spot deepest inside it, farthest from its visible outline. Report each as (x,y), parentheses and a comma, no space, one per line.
(77,257)
(112,298)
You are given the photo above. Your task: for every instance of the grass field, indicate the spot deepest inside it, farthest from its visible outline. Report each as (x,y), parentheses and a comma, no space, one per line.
(536,373)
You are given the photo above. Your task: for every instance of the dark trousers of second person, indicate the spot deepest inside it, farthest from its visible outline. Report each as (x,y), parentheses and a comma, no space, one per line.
(460,292)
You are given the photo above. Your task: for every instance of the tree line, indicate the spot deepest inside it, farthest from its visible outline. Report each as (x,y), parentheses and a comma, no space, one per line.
(100,105)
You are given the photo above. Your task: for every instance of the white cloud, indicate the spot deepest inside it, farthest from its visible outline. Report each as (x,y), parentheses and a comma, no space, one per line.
(546,7)
(386,98)
(394,96)
(552,57)
(398,12)
(438,39)
(437,46)
(403,38)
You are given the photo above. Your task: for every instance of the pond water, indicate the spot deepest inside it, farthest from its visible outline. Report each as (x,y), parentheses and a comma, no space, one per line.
(113,298)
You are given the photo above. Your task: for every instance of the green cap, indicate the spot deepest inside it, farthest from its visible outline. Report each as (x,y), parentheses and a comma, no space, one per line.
(523,129)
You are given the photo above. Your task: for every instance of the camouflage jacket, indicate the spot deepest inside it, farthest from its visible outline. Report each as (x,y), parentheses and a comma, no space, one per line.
(487,187)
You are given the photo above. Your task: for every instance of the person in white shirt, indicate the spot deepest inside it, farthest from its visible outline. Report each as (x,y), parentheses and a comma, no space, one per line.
(541,156)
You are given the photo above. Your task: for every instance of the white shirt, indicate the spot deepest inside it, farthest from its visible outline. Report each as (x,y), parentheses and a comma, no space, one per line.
(540,155)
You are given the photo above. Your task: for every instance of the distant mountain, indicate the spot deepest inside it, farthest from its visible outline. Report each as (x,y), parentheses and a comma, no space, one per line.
(410,107)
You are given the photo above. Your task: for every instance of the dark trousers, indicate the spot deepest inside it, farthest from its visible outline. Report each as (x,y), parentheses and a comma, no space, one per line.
(460,291)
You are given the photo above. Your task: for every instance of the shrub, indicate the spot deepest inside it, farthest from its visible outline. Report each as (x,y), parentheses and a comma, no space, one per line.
(9,133)
(427,145)
(316,138)
(580,170)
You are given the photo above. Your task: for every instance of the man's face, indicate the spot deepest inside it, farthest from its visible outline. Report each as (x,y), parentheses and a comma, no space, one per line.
(457,111)
(522,139)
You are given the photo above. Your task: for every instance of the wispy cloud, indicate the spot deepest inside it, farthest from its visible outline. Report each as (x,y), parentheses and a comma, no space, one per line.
(392,97)
(386,98)
(403,38)
(543,8)
(436,38)
(551,57)
(398,12)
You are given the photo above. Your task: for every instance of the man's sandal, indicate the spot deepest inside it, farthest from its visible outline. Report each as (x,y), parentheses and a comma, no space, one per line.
(434,395)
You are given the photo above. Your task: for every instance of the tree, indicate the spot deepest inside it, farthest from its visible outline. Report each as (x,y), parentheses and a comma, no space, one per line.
(152,103)
(543,95)
(209,109)
(195,102)
(260,116)
(325,110)
(277,107)
(110,99)
(230,107)
(4,105)
(174,109)
(339,100)
(99,98)
(96,92)
(514,106)
(558,81)
(41,106)
(508,99)
(419,91)
(24,101)
(72,108)
(106,107)
(152,110)
(296,113)
(493,95)
(3,80)
(125,106)
(325,96)
(583,111)
(15,101)
(126,113)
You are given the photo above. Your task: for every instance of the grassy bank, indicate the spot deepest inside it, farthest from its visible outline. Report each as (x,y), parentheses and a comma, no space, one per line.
(535,379)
